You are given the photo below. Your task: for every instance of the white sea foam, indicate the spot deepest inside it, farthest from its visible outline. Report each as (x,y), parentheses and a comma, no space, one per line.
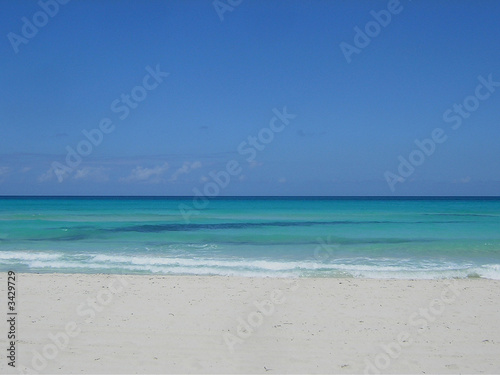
(62,265)
(186,262)
(149,268)
(346,267)
(489,271)
(28,256)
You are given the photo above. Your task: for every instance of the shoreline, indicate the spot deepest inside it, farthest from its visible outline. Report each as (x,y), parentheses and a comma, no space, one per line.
(280,277)
(114,323)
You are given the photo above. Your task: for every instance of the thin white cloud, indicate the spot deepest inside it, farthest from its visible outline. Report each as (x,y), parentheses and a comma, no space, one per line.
(25,169)
(255,164)
(196,164)
(185,169)
(142,174)
(282,180)
(463,180)
(91,173)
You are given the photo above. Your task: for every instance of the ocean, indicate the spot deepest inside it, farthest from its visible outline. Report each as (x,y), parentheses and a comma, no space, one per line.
(408,238)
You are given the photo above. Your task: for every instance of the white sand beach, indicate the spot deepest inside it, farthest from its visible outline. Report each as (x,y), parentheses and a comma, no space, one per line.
(89,324)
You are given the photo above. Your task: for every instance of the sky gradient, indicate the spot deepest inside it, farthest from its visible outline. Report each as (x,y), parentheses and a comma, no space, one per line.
(174,95)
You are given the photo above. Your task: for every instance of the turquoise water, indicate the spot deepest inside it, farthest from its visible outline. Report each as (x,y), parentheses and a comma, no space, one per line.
(286,237)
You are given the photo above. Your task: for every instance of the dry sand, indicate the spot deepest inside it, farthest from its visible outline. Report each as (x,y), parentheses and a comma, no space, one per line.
(168,324)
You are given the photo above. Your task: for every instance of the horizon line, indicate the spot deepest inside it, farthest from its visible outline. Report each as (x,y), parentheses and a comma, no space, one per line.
(260,196)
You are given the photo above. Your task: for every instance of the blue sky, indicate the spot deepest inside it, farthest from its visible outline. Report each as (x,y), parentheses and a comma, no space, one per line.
(354,123)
